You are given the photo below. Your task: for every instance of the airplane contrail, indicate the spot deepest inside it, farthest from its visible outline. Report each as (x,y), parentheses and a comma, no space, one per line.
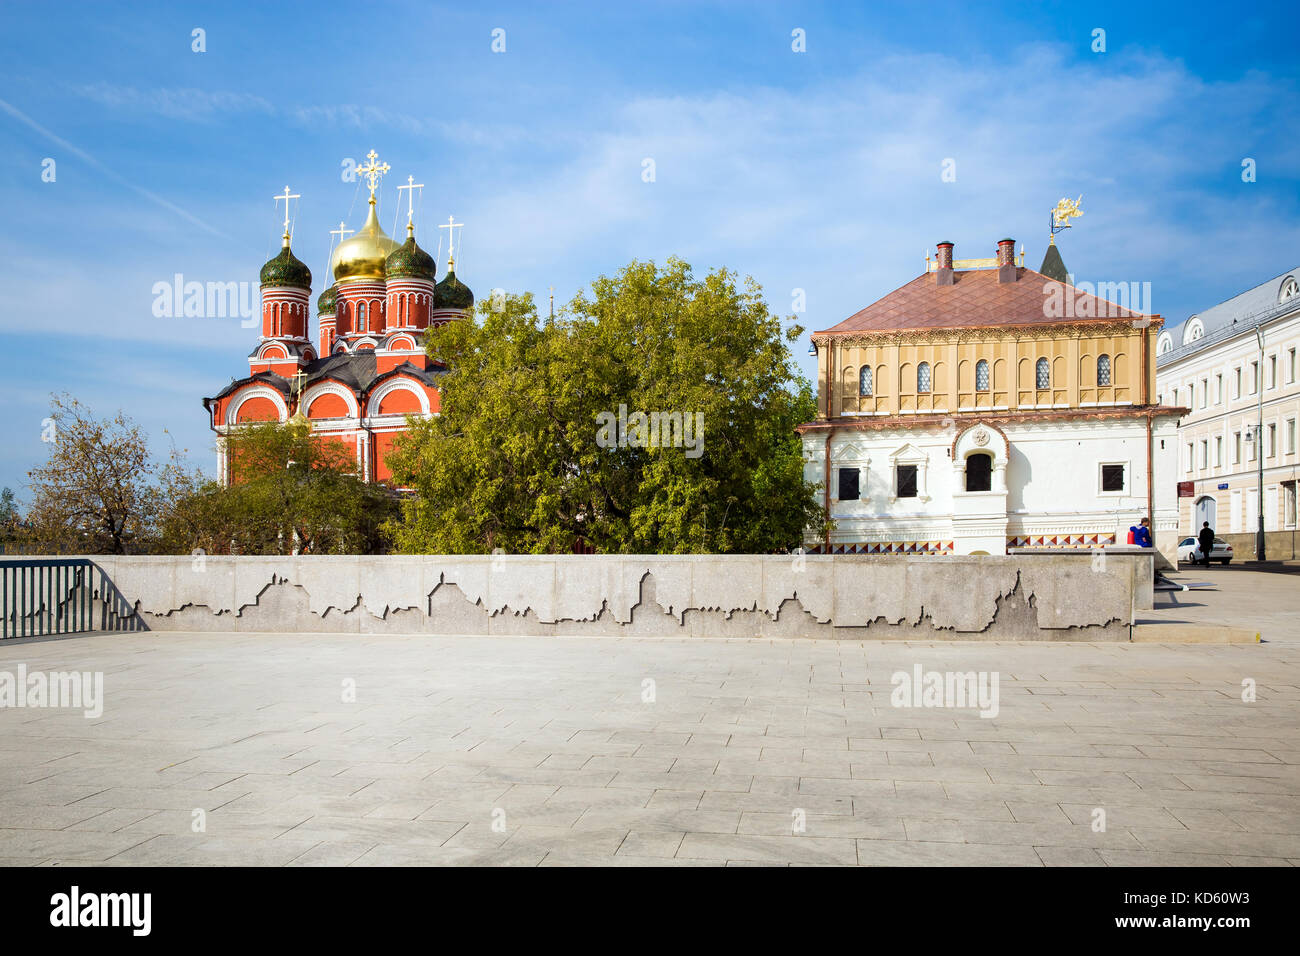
(91,160)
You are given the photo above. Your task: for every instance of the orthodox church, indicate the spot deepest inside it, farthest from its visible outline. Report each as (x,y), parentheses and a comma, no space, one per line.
(367,370)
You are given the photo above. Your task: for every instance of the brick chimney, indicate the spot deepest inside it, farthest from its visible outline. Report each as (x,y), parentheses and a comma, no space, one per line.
(944,257)
(1007,260)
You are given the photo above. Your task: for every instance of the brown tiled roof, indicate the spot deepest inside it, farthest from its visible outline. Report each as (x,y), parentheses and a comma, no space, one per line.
(976,299)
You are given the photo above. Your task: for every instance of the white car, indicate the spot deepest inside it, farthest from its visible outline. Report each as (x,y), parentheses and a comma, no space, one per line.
(1190,550)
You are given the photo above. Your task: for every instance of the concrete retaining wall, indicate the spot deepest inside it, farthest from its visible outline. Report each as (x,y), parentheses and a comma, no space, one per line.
(1059,596)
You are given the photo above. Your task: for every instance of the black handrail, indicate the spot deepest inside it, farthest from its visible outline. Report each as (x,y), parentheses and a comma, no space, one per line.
(42,596)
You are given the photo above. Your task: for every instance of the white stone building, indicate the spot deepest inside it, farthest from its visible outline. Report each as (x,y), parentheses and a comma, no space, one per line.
(1213,364)
(967,413)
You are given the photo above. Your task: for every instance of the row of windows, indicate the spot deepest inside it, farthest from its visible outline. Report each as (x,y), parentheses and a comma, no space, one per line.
(979,477)
(1270,449)
(1204,392)
(904,481)
(1042,376)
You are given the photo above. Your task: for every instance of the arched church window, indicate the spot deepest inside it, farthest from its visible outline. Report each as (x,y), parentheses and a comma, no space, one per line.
(981,376)
(923,377)
(1103,370)
(864,382)
(1043,374)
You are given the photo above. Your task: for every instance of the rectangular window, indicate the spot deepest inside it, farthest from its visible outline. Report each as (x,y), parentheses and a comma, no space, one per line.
(1272,371)
(1218,389)
(1254,377)
(1272,440)
(1175,396)
(1289,503)
(1236,383)
(1218,451)
(907,481)
(1205,392)
(1205,453)
(1191,458)
(1253,439)
(848,484)
(1290,366)
(1290,436)
(1112,478)
(1236,448)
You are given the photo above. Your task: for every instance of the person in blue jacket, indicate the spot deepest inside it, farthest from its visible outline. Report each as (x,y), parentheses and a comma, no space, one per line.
(1142,534)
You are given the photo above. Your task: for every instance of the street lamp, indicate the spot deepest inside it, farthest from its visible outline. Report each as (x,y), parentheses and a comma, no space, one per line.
(1259,444)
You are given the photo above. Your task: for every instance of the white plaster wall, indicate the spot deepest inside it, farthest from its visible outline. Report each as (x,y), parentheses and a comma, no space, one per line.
(1053,480)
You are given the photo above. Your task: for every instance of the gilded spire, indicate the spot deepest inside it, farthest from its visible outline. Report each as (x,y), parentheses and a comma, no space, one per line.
(372,171)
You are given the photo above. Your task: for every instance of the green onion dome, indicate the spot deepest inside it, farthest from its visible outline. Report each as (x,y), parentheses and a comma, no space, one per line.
(451,293)
(326,304)
(410,262)
(286,269)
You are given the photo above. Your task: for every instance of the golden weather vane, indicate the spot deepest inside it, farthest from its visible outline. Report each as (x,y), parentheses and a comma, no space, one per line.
(372,171)
(1062,213)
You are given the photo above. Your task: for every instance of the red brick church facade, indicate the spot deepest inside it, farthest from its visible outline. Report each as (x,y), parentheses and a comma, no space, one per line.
(367,370)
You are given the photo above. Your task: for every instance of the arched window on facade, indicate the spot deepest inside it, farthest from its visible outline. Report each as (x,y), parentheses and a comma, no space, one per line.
(923,377)
(361,318)
(981,376)
(1043,374)
(864,382)
(1103,370)
(979,472)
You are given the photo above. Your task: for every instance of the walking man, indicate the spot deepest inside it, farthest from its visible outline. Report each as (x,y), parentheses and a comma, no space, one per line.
(1206,541)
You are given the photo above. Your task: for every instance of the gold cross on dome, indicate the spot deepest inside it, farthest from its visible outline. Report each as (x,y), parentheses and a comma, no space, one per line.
(372,171)
(451,225)
(286,197)
(298,382)
(341,232)
(412,185)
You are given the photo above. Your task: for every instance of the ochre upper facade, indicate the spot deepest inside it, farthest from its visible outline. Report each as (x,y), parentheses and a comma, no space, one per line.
(1073,355)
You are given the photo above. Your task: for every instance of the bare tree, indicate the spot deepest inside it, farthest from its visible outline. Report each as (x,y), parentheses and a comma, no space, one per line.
(94,494)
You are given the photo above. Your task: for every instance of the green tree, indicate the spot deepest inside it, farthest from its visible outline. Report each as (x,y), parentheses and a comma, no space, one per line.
(523,456)
(290,491)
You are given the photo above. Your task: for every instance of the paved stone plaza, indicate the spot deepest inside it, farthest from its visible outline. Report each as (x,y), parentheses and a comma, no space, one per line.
(527,751)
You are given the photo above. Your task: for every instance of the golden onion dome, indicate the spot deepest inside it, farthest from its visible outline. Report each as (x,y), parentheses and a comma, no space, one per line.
(363,256)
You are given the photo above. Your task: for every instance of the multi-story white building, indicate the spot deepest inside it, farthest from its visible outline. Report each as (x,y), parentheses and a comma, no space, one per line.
(1214,364)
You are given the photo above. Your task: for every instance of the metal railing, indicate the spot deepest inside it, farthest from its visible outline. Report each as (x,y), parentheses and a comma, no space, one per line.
(42,596)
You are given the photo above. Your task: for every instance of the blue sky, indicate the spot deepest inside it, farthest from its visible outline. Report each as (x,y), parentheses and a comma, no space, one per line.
(818,170)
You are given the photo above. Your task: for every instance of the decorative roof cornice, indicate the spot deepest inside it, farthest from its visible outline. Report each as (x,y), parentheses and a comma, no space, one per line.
(1076,328)
(960,420)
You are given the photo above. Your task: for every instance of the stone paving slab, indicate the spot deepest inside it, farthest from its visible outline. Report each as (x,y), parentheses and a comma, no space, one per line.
(347,750)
